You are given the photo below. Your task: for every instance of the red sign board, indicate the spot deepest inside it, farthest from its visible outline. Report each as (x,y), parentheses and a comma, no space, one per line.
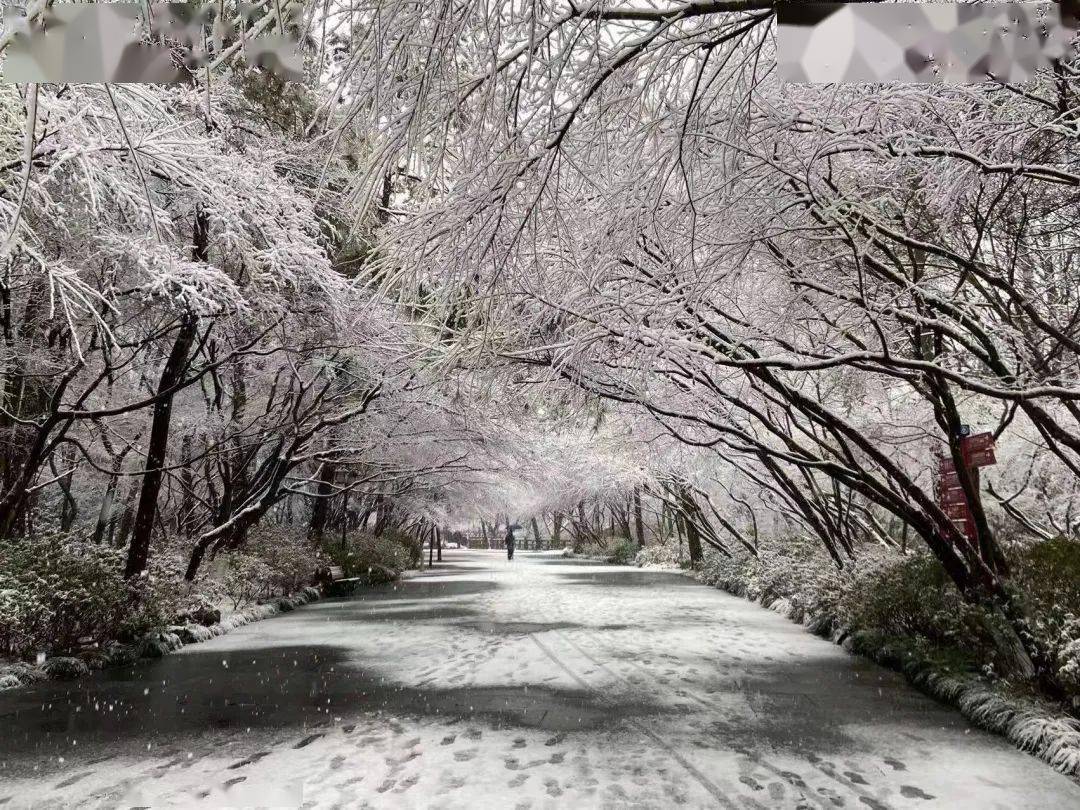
(978,450)
(956,511)
(952,496)
(948,479)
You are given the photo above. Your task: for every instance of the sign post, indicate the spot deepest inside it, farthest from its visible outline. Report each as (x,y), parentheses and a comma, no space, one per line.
(976,451)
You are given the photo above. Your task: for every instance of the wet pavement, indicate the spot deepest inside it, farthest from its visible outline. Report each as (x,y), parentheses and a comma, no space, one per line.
(537,683)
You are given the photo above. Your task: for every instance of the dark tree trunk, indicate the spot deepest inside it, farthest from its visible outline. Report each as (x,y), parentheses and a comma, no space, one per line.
(579,530)
(689,510)
(320,508)
(639,525)
(536,534)
(185,521)
(171,375)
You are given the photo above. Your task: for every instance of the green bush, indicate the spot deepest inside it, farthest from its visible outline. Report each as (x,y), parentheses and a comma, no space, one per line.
(790,567)
(662,553)
(624,552)
(55,590)
(377,559)
(274,561)
(1047,575)
(912,597)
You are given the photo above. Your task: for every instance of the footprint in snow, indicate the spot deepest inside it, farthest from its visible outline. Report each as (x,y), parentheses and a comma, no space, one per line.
(448,739)
(751,783)
(912,792)
(249,760)
(407,783)
(466,755)
(71,780)
(553,788)
(308,740)
(793,778)
(518,780)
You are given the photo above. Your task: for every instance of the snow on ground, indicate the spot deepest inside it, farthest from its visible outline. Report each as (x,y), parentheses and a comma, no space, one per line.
(541,683)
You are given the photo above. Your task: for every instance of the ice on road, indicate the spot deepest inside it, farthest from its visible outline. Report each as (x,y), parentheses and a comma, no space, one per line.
(537,683)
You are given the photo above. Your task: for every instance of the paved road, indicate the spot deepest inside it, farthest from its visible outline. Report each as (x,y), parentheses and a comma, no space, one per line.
(541,683)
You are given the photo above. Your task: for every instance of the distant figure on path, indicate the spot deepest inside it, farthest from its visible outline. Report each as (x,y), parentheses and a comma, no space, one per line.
(509,543)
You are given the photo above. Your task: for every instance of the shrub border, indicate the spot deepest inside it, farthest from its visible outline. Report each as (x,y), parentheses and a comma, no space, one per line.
(153,644)
(1032,726)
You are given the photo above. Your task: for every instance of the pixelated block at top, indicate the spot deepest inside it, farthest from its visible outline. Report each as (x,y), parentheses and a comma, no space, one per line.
(946,43)
(114,42)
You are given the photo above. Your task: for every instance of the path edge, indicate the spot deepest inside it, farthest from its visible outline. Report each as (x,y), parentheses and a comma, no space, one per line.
(154,644)
(1032,726)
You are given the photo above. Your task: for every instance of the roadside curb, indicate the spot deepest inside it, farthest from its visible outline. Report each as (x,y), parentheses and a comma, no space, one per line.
(154,644)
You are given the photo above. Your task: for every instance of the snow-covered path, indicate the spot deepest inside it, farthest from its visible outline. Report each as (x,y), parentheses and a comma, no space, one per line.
(533,684)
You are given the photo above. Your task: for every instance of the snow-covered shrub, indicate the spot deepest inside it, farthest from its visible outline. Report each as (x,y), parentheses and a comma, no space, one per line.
(624,551)
(290,557)
(664,554)
(65,668)
(273,562)
(246,578)
(200,609)
(911,596)
(158,644)
(791,568)
(55,590)
(19,673)
(193,633)
(377,559)
(1047,573)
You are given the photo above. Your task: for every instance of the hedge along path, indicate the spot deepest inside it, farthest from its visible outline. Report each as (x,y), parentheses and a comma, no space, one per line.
(155,644)
(1031,726)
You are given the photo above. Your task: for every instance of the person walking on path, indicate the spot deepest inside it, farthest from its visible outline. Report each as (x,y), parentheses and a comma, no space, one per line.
(509,543)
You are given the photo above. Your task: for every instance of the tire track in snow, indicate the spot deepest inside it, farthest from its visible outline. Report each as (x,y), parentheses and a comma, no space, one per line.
(701,778)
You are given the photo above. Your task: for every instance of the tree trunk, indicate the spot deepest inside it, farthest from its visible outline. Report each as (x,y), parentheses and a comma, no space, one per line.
(536,533)
(688,509)
(320,508)
(579,530)
(186,522)
(105,512)
(639,524)
(171,374)
(556,530)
